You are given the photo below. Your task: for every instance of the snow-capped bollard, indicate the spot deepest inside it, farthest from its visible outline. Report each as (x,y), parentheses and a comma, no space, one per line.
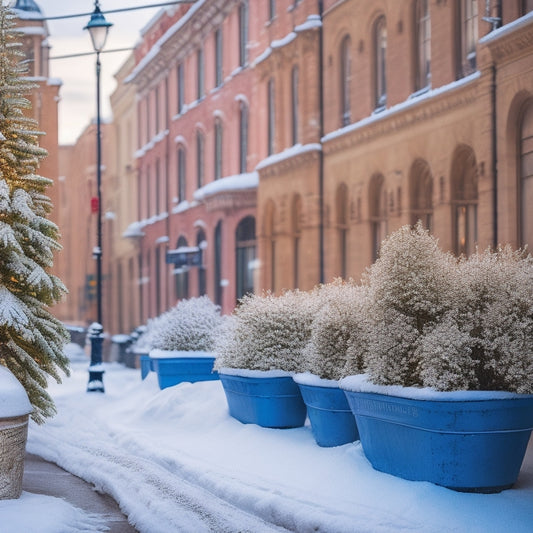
(96,369)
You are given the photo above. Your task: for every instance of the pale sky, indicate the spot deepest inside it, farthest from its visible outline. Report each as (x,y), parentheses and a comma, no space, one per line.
(78,75)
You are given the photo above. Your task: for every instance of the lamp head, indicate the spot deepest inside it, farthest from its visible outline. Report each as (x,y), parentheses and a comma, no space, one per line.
(98,28)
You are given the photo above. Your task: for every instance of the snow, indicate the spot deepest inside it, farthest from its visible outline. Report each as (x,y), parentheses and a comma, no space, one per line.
(293,151)
(155,353)
(360,383)
(238,182)
(13,400)
(176,461)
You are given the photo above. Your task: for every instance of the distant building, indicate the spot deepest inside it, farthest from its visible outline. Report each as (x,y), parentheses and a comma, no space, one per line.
(277,143)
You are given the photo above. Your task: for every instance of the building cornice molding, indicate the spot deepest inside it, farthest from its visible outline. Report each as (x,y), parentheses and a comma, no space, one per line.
(404,116)
(510,41)
(179,40)
(292,158)
(231,201)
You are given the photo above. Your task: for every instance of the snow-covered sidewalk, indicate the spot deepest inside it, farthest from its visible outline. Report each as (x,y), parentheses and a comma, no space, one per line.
(176,461)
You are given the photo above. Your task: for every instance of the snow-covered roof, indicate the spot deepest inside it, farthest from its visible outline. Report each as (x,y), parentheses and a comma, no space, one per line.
(288,153)
(239,182)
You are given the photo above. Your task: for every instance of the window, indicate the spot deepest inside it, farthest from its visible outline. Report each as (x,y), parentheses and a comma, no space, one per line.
(245,256)
(526,7)
(182,180)
(271,9)
(243,138)
(270,247)
(526,178)
(200,242)
(378,213)
(157,272)
(156,112)
(148,185)
(148,124)
(218,57)
(464,200)
(157,187)
(342,228)
(182,275)
(469,36)
(218,263)
(200,159)
(181,88)
(243,33)
(218,148)
(380,74)
(421,194)
(200,82)
(423,45)
(345,80)
(271,116)
(296,236)
(295,82)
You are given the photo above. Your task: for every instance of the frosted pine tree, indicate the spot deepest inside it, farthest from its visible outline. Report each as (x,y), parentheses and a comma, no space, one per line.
(31,339)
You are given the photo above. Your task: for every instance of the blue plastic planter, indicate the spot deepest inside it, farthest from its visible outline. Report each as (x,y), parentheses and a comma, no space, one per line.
(174,370)
(465,445)
(146,365)
(332,420)
(273,402)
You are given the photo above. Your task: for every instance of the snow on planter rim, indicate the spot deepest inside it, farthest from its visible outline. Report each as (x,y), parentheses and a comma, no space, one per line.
(13,398)
(247,373)
(360,383)
(156,353)
(306,378)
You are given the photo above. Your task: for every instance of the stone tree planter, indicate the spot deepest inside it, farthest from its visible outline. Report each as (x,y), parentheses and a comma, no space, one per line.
(15,409)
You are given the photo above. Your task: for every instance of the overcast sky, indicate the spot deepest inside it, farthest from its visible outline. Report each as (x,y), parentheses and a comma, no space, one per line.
(67,36)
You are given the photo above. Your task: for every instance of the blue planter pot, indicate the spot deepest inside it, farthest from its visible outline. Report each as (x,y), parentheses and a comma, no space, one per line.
(174,370)
(146,365)
(273,402)
(332,420)
(466,445)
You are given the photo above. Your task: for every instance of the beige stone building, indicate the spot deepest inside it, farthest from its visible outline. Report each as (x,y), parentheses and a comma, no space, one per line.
(281,141)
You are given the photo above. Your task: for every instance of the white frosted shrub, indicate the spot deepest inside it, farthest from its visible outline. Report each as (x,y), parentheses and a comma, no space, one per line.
(496,309)
(191,325)
(410,287)
(267,332)
(336,346)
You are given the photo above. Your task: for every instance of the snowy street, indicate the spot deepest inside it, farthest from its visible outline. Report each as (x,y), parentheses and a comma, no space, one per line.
(176,461)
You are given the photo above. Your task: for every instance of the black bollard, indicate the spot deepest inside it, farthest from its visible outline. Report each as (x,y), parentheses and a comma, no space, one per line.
(96,369)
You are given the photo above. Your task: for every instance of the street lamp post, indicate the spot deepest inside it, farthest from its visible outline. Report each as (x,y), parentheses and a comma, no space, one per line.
(98,28)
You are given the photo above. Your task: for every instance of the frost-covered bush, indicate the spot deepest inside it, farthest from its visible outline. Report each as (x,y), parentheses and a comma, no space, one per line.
(494,313)
(337,345)
(411,289)
(267,332)
(191,325)
(450,324)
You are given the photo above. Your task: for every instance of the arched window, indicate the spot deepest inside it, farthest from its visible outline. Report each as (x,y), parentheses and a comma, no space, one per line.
(200,75)
(182,275)
(181,87)
(201,243)
(423,45)
(380,62)
(218,263)
(218,57)
(271,116)
(296,238)
(245,256)
(526,178)
(218,148)
(200,159)
(345,80)
(243,138)
(182,179)
(468,27)
(464,200)
(270,244)
(421,194)
(342,206)
(378,213)
(243,33)
(295,82)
